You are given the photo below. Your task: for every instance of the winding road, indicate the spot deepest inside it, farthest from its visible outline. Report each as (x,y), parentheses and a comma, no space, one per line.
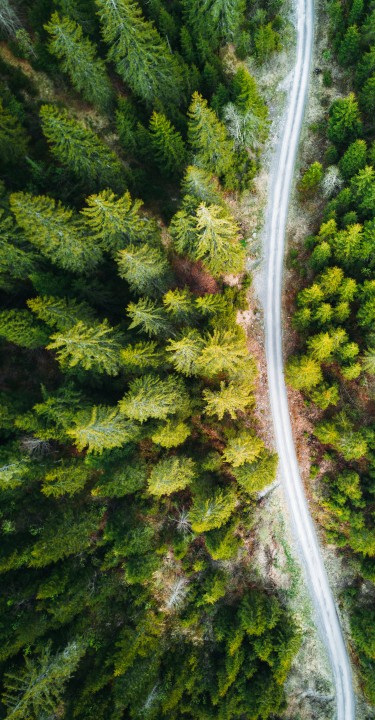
(275,225)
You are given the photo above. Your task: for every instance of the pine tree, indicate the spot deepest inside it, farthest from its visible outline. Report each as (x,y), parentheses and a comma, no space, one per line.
(247,129)
(55,231)
(253,477)
(145,268)
(80,149)
(354,159)
(102,428)
(362,185)
(321,346)
(116,221)
(223,16)
(152,397)
(311,179)
(167,145)
(246,94)
(171,475)
(21,328)
(217,242)
(185,352)
(78,58)
(68,533)
(36,690)
(243,447)
(142,58)
(65,479)
(266,41)
(149,317)
(232,398)
(13,138)
(213,512)
(183,229)
(60,312)
(349,50)
(92,347)
(208,139)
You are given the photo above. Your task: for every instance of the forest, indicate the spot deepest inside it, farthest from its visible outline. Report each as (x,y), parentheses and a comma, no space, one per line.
(334,316)
(130,461)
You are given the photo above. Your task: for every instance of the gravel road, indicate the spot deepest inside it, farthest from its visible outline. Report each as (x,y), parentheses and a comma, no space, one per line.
(281,176)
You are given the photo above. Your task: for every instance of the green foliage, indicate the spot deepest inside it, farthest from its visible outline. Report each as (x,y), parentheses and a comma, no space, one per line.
(37,688)
(116,221)
(245,447)
(80,149)
(101,428)
(167,145)
(212,512)
(311,179)
(303,373)
(92,347)
(145,268)
(13,138)
(344,123)
(141,56)
(21,328)
(55,232)
(171,475)
(152,397)
(78,58)
(208,139)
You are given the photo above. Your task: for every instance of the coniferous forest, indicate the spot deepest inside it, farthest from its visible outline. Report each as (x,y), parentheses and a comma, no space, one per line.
(130,465)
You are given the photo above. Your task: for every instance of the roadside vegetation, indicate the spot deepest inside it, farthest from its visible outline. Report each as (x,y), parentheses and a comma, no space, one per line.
(130,463)
(334,316)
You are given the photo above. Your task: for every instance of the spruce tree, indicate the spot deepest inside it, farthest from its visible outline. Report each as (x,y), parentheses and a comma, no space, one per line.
(243,447)
(179,305)
(171,475)
(149,317)
(232,398)
(78,58)
(141,355)
(80,149)
(223,351)
(213,512)
(141,57)
(102,428)
(13,138)
(344,123)
(36,689)
(218,239)
(20,327)
(171,434)
(116,221)
(145,268)
(60,312)
(167,145)
(185,352)
(303,373)
(207,136)
(199,184)
(152,397)
(55,231)
(92,347)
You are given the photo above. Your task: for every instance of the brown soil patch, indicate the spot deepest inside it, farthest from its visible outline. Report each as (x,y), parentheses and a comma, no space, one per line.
(193,275)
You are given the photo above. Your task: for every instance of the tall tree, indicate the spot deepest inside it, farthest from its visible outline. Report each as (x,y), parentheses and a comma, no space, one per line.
(55,231)
(218,239)
(145,268)
(142,58)
(102,428)
(167,145)
(208,138)
(13,137)
(92,347)
(78,58)
(152,397)
(21,328)
(148,317)
(116,221)
(171,475)
(80,149)
(344,123)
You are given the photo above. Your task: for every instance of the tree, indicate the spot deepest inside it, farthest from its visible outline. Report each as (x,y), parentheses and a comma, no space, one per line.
(353,159)
(9,20)
(60,312)
(180,306)
(185,352)
(151,397)
(199,184)
(321,346)
(92,347)
(367,96)
(167,145)
(246,129)
(253,477)
(217,243)
(116,221)
(21,328)
(149,317)
(102,428)
(340,433)
(344,124)
(171,434)
(303,373)
(68,533)
(223,351)
(124,481)
(142,355)
(208,139)
(78,58)
(55,231)
(224,15)
(362,185)
(80,149)
(243,447)
(13,138)
(232,398)
(213,512)
(349,50)
(142,58)
(145,268)
(65,479)
(36,690)
(171,475)
(246,94)
(266,41)
(311,179)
